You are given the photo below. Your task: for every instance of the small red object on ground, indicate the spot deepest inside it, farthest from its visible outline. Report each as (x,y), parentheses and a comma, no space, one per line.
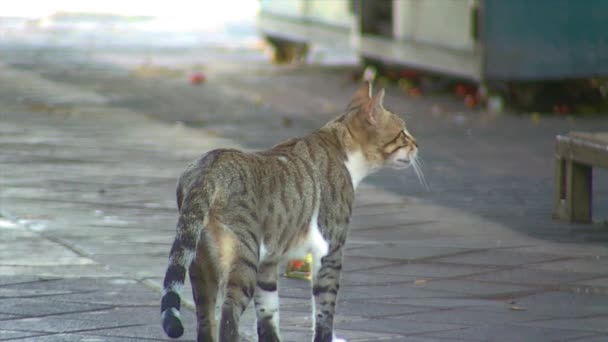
(470,101)
(415,92)
(197,78)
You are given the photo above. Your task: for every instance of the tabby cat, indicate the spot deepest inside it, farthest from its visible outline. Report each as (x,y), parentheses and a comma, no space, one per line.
(241,214)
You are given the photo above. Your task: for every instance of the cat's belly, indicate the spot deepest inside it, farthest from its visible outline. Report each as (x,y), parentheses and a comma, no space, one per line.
(313,242)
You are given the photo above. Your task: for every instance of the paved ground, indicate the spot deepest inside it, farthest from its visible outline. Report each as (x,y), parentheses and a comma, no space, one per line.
(92,142)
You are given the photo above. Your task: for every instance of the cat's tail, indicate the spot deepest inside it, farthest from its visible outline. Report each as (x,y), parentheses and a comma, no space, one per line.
(181,256)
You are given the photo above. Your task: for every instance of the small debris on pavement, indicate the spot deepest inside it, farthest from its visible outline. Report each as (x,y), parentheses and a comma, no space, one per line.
(414,92)
(329,107)
(535,117)
(287,122)
(197,78)
(259,101)
(517,308)
(436,110)
(470,101)
(459,119)
(405,84)
(420,282)
(495,104)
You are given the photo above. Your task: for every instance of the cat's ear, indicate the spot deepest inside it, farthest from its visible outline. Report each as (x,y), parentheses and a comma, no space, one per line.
(362,95)
(375,108)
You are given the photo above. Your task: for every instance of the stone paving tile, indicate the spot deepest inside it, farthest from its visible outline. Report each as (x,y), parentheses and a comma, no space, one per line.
(565,249)
(506,332)
(397,325)
(372,209)
(7,292)
(55,325)
(591,338)
(380,292)
(407,252)
(74,284)
(533,276)
(432,270)
(364,308)
(597,265)
(356,336)
(589,324)
(19,279)
(44,306)
(16,246)
(425,339)
(7,334)
(446,303)
(472,317)
(400,220)
(112,295)
(560,305)
(601,282)
(354,263)
(392,234)
(498,258)
(71,271)
(479,241)
(476,289)
(126,314)
(142,332)
(98,292)
(138,265)
(353,278)
(83,337)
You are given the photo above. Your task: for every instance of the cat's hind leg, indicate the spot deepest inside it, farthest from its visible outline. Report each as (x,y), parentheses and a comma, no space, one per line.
(266,300)
(204,281)
(240,284)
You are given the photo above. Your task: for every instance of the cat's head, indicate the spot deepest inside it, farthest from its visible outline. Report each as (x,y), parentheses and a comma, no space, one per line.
(379,137)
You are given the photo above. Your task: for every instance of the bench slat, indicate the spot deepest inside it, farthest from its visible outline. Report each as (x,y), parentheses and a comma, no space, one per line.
(588,152)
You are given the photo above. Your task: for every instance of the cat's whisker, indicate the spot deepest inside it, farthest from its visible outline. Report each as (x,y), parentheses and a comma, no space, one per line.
(419,173)
(419,160)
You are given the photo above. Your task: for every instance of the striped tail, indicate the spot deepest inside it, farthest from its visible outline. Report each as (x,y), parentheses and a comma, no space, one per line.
(180,258)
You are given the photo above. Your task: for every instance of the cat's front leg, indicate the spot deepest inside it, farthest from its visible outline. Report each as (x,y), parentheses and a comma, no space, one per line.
(326,284)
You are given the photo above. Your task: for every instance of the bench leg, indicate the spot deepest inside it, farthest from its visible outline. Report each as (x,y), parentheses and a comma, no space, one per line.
(572,197)
(578,191)
(559,190)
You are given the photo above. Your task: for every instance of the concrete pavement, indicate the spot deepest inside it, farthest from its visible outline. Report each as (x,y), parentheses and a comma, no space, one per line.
(87,197)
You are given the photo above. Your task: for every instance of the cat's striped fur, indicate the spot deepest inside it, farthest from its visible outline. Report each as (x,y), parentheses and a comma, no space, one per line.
(241,214)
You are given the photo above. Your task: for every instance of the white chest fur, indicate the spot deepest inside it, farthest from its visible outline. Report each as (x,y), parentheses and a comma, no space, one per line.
(357,167)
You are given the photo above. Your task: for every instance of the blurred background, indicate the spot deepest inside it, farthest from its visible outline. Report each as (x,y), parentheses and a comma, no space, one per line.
(542,57)
(260,71)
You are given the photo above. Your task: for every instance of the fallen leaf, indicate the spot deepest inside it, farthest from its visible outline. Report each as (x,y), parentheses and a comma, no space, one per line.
(259,101)
(420,282)
(517,308)
(535,117)
(287,122)
(328,107)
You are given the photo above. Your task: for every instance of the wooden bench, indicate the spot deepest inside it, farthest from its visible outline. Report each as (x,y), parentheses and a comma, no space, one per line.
(575,155)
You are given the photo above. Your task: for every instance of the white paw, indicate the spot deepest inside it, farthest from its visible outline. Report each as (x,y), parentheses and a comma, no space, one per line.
(337,339)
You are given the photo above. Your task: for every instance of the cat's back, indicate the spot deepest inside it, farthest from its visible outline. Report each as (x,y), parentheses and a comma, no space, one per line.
(278,171)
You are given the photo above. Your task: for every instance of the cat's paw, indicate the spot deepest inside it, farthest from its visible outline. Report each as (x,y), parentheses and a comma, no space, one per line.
(337,339)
